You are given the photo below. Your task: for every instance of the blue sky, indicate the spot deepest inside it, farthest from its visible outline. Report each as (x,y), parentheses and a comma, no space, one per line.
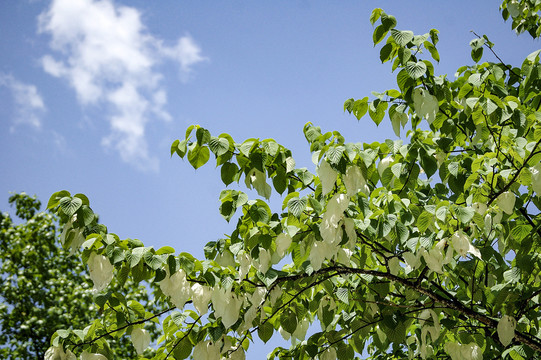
(92,93)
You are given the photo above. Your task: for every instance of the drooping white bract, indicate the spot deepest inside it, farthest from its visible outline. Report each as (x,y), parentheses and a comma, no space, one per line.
(263,263)
(318,253)
(536,178)
(302,328)
(412,260)
(329,229)
(457,351)
(75,234)
(100,271)
(226,306)
(327,175)
(245,262)
(57,353)
(506,329)
(480,208)
(201,297)
(177,288)
(433,330)
(354,181)
(433,259)
(140,339)
(384,164)
(205,350)
(285,334)
(92,356)
(283,241)
(232,352)
(329,354)
(462,245)
(426,104)
(258,180)
(225,259)
(506,202)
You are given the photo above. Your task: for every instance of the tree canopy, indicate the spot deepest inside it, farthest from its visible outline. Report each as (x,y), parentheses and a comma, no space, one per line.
(44,289)
(426,245)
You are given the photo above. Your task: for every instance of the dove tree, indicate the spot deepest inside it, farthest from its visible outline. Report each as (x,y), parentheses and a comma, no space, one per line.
(43,289)
(426,245)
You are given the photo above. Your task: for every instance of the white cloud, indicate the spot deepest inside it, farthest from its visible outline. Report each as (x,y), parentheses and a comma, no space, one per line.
(110,59)
(29,105)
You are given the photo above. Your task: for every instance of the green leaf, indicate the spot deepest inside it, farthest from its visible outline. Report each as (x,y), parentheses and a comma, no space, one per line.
(424,220)
(218,146)
(464,214)
(415,69)
(477,54)
(288,321)
(385,52)
(229,172)
(343,295)
(54,200)
(433,51)
(70,205)
(198,156)
(165,250)
(265,331)
(379,33)
(202,135)
(377,110)
(297,205)
(402,38)
(334,154)
(183,349)
(374,16)
(360,107)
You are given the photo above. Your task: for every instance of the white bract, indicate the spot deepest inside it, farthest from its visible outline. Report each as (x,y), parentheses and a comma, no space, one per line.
(140,339)
(245,262)
(57,353)
(462,245)
(470,351)
(283,241)
(226,306)
(384,164)
(329,354)
(263,263)
(433,259)
(92,356)
(536,178)
(258,180)
(206,350)
(329,228)
(506,202)
(506,329)
(100,271)
(318,254)
(480,208)
(426,105)
(354,181)
(177,288)
(201,297)
(75,235)
(327,175)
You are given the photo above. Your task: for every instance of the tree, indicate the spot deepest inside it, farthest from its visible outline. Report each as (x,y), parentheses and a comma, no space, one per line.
(43,288)
(426,246)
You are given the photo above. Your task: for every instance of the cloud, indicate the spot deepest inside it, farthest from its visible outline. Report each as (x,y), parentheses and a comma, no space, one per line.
(111,60)
(29,103)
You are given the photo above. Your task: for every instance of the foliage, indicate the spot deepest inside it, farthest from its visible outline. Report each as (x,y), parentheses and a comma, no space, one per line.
(427,246)
(524,14)
(43,288)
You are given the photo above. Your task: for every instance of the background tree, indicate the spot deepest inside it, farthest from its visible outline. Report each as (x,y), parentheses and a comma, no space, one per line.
(43,288)
(425,247)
